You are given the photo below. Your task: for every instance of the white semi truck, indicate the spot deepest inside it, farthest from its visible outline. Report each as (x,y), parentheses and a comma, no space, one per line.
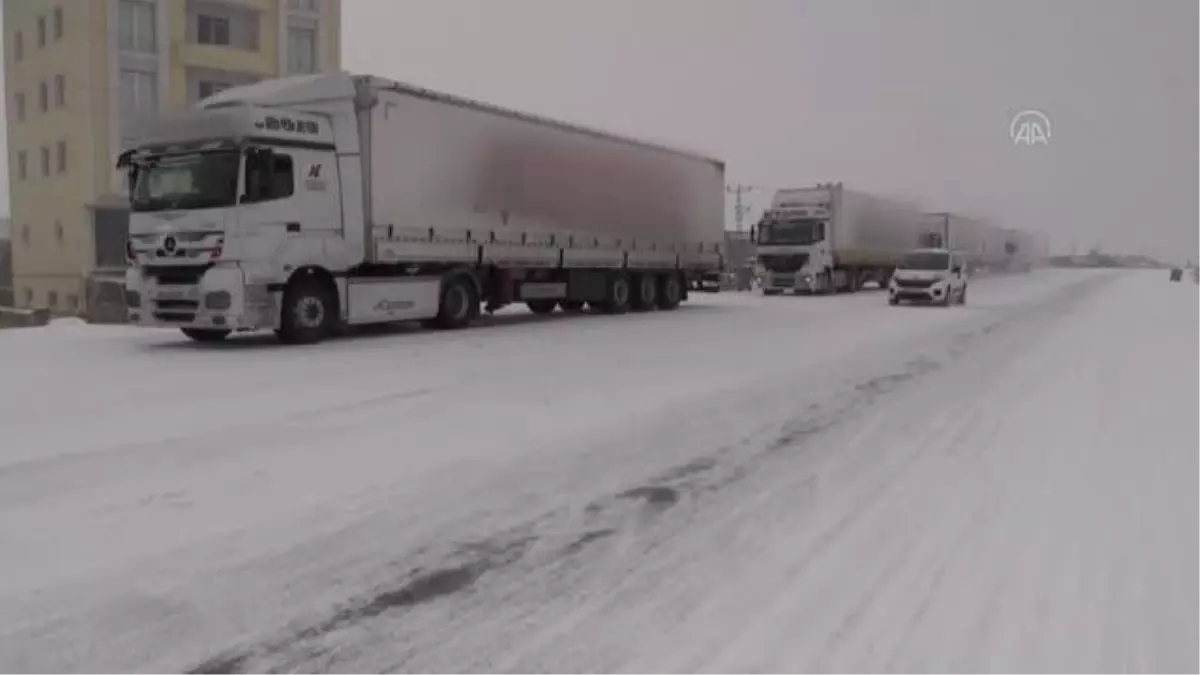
(310,203)
(826,238)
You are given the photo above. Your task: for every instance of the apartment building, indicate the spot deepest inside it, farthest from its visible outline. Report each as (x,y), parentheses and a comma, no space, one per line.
(80,77)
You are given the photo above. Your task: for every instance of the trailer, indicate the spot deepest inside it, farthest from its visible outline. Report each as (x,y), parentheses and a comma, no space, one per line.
(829,239)
(308,203)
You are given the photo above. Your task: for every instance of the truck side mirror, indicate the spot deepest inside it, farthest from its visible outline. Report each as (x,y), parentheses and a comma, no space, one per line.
(125,159)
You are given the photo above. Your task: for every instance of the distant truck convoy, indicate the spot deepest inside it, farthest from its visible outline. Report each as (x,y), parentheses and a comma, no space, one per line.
(309,203)
(827,238)
(980,244)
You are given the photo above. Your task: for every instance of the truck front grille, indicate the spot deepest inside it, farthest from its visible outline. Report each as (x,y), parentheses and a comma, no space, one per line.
(783,262)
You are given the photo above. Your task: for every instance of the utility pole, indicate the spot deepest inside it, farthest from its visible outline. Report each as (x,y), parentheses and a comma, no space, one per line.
(739,209)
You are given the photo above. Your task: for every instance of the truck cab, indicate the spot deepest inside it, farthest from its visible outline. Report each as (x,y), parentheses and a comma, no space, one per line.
(929,275)
(793,251)
(226,204)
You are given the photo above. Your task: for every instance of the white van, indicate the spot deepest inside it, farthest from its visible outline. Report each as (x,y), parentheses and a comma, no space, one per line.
(934,275)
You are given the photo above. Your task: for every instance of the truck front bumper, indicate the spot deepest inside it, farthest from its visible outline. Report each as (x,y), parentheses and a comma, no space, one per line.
(800,282)
(214,299)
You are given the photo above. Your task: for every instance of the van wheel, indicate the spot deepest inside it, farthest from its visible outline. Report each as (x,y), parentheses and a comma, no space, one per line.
(617,295)
(309,312)
(459,304)
(646,296)
(205,334)
(670,291)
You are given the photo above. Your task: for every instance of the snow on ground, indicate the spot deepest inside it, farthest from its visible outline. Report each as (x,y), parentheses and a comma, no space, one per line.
(747,484)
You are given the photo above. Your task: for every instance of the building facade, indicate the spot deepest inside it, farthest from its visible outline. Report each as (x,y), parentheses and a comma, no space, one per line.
(80,76)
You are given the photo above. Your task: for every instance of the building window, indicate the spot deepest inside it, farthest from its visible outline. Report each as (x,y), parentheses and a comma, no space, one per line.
(41,31)
(58,23)
(301,50)
(18,46)
(72,303)
(60,91)
(136,26)
(303,5)
(59,235)
(45,161)
(28,296)
(19,104)
(43,96)
(22,165)
(139,93)
(212,30)
(62,156)
(206,88)
(51,299)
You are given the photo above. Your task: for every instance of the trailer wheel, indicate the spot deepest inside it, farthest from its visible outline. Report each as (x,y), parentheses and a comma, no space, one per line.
(205,334)
(572,306)
(541,306)
(459,304)
(670,291)
(309,312)
(617,295)
(646,296)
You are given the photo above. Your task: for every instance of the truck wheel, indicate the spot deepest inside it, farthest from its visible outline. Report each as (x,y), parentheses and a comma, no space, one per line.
(670,291)
(205,334)
(646,296)
(771,291)
(617,295)
(542,306)
(459,305)
(571,306)
(309,312)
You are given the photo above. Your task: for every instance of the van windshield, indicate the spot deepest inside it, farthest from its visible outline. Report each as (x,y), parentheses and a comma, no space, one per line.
(925,260)
(195,180)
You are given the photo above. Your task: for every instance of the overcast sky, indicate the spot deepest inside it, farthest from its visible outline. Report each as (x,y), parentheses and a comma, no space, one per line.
(908,97)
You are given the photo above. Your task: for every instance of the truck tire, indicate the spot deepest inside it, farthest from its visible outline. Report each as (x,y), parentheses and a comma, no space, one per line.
(542,306)
(771,291)
(617,295)
(309,312)
(459,304)
(670,291)
(205,334)
(645,296)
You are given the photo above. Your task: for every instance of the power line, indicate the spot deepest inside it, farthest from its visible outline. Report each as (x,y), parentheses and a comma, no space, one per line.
(739,209)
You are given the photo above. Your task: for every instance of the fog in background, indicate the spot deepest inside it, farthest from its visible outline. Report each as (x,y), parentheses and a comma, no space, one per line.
(899,96)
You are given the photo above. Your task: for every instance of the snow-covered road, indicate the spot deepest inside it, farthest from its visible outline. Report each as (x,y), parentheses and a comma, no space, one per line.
(748,484)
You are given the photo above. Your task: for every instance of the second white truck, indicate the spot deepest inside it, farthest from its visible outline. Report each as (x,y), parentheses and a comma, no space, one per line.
(829,239)
(309,203)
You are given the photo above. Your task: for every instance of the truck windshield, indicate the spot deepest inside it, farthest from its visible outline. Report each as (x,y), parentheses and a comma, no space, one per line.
(793,231)
(197,180)
(925,260)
